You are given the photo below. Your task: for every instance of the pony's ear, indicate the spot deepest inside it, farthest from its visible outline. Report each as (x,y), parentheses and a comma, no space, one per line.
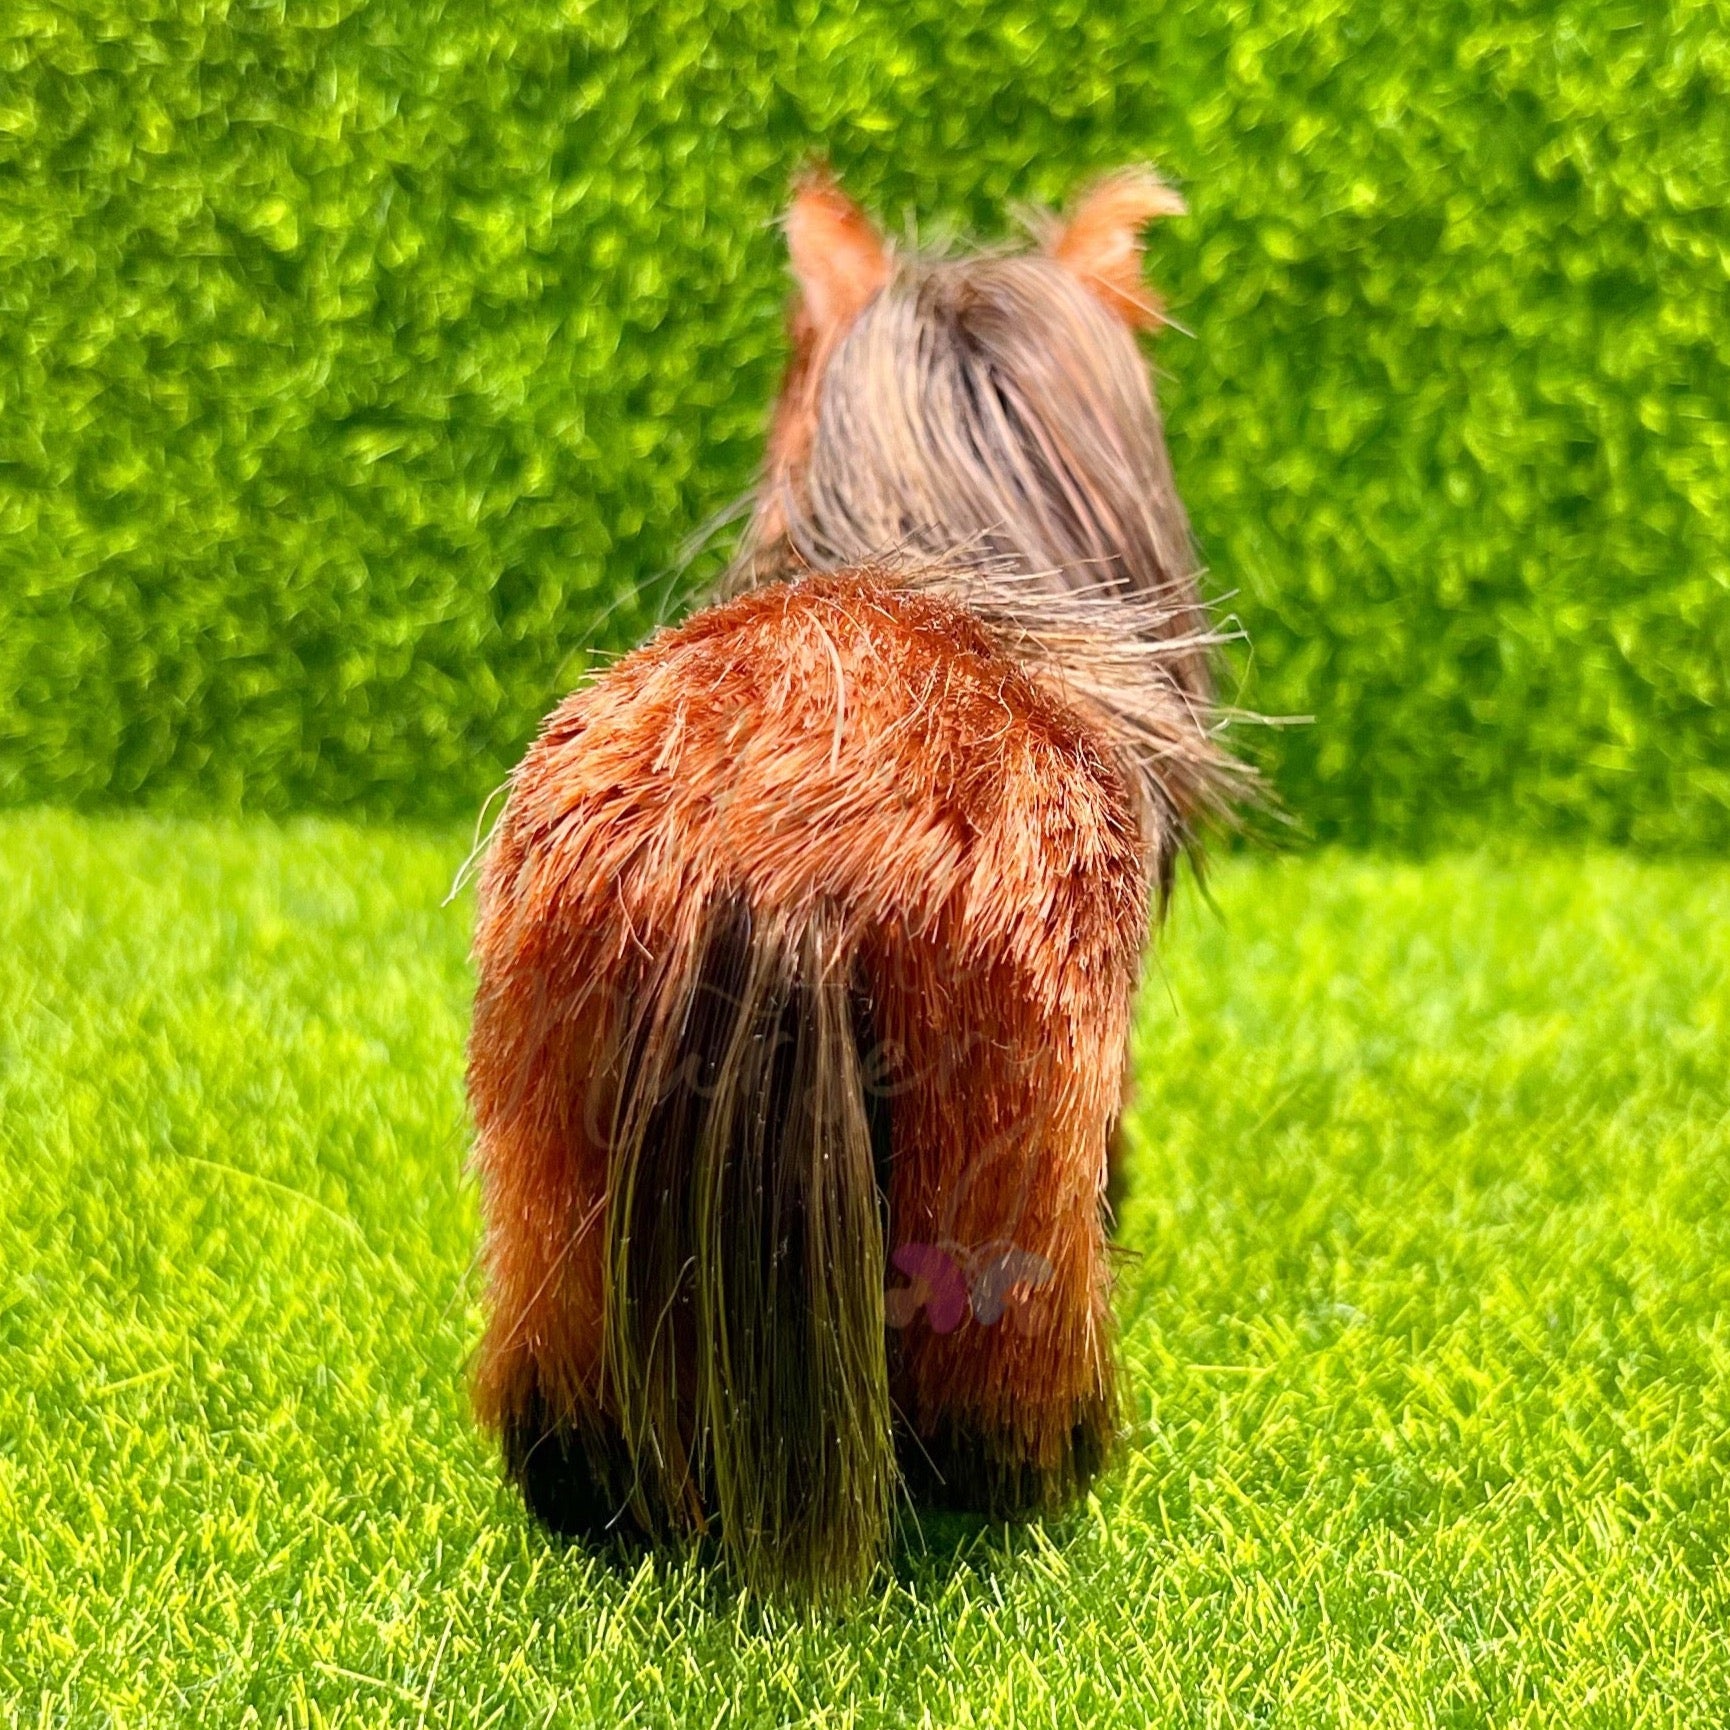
(1100,240)
(839,260)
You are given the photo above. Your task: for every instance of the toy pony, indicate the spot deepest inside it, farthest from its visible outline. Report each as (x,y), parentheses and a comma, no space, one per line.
(809,933)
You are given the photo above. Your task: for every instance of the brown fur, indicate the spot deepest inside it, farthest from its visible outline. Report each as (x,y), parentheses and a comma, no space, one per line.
(842,885)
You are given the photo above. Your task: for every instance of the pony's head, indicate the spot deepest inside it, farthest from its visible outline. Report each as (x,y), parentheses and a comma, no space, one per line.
(992,408)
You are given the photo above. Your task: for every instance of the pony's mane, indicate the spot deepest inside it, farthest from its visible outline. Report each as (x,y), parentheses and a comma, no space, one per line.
(987,426)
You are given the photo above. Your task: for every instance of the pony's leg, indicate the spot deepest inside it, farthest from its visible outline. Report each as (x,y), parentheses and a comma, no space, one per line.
(536,1086)
(1000,1128)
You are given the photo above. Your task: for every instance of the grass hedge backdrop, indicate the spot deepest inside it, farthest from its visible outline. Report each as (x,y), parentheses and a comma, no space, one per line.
(361,365)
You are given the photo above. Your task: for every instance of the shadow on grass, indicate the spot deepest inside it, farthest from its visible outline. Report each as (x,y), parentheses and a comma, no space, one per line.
(931,1552)
(934,1548)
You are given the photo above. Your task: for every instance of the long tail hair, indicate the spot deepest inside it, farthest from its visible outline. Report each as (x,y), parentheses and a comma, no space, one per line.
(745,1251)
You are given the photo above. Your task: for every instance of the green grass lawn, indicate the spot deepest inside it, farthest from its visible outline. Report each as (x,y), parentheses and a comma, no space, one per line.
(1425,1299)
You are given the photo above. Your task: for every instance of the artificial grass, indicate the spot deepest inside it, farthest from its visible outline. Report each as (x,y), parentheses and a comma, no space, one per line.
(1424,1293)
(365,362)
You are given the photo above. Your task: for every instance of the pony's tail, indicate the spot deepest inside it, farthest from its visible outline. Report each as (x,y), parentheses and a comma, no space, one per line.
(745,1353)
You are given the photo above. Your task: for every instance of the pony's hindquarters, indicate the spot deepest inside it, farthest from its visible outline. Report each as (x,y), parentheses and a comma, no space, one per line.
(806,949)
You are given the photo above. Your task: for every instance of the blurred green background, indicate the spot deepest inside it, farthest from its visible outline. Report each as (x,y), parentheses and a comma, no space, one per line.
(363,365)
